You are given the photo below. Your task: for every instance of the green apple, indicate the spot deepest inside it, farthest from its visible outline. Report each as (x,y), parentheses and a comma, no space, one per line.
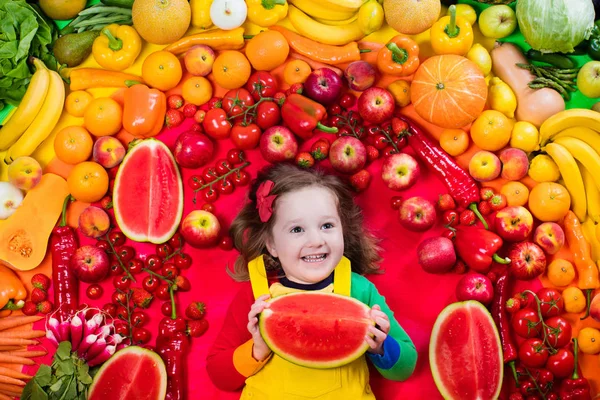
(497,21)
(588,79)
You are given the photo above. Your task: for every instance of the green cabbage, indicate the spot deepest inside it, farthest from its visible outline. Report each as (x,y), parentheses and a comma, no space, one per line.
(555,25)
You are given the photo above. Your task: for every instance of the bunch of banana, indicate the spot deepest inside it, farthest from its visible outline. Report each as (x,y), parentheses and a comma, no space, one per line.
(572,139)
(36,116)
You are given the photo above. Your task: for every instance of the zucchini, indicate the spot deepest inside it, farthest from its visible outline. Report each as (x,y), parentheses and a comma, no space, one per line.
(555,59)
(119,3)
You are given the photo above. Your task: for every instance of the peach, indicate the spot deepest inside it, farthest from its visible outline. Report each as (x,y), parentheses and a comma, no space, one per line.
(484,166)
(595,308)
(199,60)
(360,75)
(515,164)
(108,151)
(550,237)
(24,173)
(94,222)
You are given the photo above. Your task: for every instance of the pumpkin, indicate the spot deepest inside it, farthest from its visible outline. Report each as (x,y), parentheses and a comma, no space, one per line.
(24,235)
(449,91)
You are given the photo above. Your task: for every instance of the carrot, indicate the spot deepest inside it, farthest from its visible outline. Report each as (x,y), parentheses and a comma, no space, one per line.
(25,353)
(315,64)
(11,322)
(23,334)
(11,348)
(11,381)
(11,388)
(16,341)
(86,78)
(6,359)
(5,397)
(14,374)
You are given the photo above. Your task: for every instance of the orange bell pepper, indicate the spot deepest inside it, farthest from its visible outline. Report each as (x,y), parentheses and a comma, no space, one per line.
(399,57)
(12,291)
(143,110)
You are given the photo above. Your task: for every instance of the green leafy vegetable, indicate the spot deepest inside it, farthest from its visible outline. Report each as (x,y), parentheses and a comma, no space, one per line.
(24,32)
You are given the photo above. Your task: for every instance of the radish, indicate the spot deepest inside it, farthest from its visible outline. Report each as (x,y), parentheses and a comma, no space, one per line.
(85,345)
(50,336)
(76,332)
(95,349)
(10,198)
(103,356)
(52,326)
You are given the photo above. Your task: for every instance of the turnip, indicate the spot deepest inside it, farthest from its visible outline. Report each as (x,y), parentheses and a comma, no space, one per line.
(10,198)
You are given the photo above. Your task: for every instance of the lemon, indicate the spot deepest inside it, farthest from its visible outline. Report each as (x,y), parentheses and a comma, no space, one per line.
(543,169)
(525,136)
(370,17)
(480,56)
(501,97)
(62,9)
(201,13)
(465,11)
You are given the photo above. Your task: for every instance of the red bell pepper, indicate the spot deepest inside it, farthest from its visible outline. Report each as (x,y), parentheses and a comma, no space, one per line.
(303,115)
(477,247)
(172,345)
(576,387)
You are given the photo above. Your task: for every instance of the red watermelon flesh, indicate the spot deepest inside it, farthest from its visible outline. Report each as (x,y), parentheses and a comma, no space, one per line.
(465,353)
(315,329)
(148,193)
(132,373)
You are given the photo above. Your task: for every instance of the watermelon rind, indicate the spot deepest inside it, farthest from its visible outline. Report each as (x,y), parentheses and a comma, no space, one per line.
(433,361)
(154,145)
(281,352)
(140,351)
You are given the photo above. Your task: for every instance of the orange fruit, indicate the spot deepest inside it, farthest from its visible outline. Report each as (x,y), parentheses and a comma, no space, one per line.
(196,90)
(231,69)
(77,101)
(296,71)
(516,193)
(491,130)
(162,70)
(161,21)
(88,182)
(560,272)
(103,117)
(575,301)
(589,340)
(73,144)
(400,90)
(549,201)
(267,50)
(454,141)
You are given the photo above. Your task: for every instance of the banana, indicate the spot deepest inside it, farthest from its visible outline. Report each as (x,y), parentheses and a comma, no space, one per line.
(583,153)
(336,23)
(327,34)
(592,193)
(323,10)
(589,232)
(572,177)
(568,119)
(583,133)
(30,105)
(44,122)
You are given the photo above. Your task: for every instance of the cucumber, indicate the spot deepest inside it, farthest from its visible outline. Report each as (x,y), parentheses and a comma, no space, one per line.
(555,59)
(119,3)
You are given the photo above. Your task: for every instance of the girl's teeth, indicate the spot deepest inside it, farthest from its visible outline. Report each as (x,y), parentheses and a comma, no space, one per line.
(314,258)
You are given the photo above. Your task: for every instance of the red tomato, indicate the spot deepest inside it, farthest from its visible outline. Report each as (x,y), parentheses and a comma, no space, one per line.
(235,156)
(162,293)
(526,323)
(176,240)
(210,195)
(182,261)
(153,262)
(117,238)
(139,318)
(125,253)
(222,166)
(261,84)
(121,282)
(533,353)
(268,114)
(551,302)
(225,186)
(135,266)
(236,101)
(209,174)
(216,125)
(141,335)
(94,291)
(561,364)
(559,332)
(240,178)
(169,270)
(163,250)
(245,137)
(150,283)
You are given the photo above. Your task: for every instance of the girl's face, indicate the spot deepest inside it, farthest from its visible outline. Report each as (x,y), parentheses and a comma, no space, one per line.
(307,234)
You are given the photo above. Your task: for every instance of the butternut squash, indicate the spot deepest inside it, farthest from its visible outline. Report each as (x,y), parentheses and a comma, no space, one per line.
(24,235)
(533,105)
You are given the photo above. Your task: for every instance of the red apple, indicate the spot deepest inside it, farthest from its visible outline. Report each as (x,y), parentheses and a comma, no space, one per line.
(400,171)
(417,214)
(360,75)
(376,105)
(528,260)
(323,85)
(475,286)
(347,154)
(193,150)
(436,255)
(90,264)
(278,144)
(200,229)
(550,237)
(514,223)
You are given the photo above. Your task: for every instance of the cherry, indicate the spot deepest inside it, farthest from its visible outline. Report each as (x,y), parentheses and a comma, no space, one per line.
(163,250)
(94,291)
(153,262)
(162,293)
(125,253)
(226,243)
(348,100)
(141,335)
(396,202)
(139,318)
(117,238)
(135,266)
(103,244)
(182,261)
(150,283)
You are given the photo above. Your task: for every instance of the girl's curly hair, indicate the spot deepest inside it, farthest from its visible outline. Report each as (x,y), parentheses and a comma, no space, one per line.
(250,234)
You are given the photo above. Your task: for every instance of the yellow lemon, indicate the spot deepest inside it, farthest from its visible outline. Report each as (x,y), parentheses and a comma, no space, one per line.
(525,136)
(501,97)
(543,169)
(465,11)
(575,301)
(589,340)
(480,56)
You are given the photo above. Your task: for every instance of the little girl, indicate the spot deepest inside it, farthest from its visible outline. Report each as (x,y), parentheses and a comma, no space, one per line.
(303,227)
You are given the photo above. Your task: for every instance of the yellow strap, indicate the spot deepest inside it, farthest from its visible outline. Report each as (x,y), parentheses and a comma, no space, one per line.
(258,277)
(341,277)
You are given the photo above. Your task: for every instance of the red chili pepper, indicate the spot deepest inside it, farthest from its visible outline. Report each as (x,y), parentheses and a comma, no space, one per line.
(172,345)
(501,295)
(477,247)
(63,244)
(575,388)
(302,115)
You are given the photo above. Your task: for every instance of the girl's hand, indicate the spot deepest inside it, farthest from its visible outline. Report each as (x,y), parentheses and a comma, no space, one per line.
(260,350)
(379,331)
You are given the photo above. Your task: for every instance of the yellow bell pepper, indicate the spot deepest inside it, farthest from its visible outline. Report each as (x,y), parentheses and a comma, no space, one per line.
(117,47)
(451,34)
(266,12)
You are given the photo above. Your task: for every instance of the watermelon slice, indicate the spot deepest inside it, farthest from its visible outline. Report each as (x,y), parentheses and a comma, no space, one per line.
(148,193)
(465,353)
(315,329)
(133,373)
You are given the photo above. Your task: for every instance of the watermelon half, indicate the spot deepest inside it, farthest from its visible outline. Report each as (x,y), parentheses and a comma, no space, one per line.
(315,329)
(465,353)
(148,193)
(133,373)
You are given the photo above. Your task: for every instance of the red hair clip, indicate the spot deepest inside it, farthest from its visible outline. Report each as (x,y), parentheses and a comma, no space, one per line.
(264,201)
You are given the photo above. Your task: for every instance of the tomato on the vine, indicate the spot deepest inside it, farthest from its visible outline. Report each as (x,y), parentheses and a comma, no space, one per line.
(119,298)
(261,83)
(236,101)
(194,182)
(240,178)
(209,174)
(208,207)
(139,318)
(135,266)
(268,114)
(225,186)
(551,302)
(222,166)
(380,142)
(533,353)
(117,238)
(210,195)
(559,332)
(94,291)
(121,282)
(153,262)
(163,250)
(122,329)
(235,156)
(176,240)
(150,283)
(389,150)
(216,125)
(110,309)
(141,335)
(526,323)
(182,261)
(561,364)
(245,136)
(169,270)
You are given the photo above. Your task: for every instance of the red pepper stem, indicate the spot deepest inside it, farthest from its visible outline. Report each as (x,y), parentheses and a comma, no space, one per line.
(400,56)
(327,129)
(63,218)
(114,43)
(173,309)
(473,207)
(500,260)
(451,29)
(511,364)
(588,295)
(575,351)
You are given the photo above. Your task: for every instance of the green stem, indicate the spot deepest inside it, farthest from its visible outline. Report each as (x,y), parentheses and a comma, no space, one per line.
(364,51)
(536,384)
(588,296)
(112,249)
(219,178)
(500,260)
(173,309)
(473,207)
(159,276)
(511,364)
(575,351)
(63,218)
(270,4)
(452,30)
(399,56)
(327,129)
(114,43)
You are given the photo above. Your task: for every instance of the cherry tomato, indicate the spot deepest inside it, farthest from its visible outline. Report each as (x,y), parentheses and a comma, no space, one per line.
(449,234)
(551,302)
(344,131)
(163,250)
(450,218)
(121,282)
(182,261)
(122,313)
(225,186)
(222,166)
(102,244)
(194,182)
(236,101)
(141,335)
(235,156)
(334,109)
(516,396)
(245,136)
(552,396)
(268,114)
(110,309)
(169,270)
(400,142)
(166,308)
(115,268)
(561,364)
(226,243)
(348,100)
(354,119)
(533,353)
(117,238)
(209,207)
(559,332)
(543,377)
(125,253)
(216,125)
(380,142)
(176,241)
(389,150)
(526,323)
(135,266)
(240,178)
(122,329)
(209,174)
(94,291)
(153,262)
(139,318)
(396,202)
(162,293)
(119,298)
(150,283)
(261,84)
(527,387)
(210,195)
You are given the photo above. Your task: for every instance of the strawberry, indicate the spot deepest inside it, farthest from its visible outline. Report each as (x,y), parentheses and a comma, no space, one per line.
(498,202)
(215,102)
(295,88)
(40,281)
(173,118)
(279,98)
(467,217)
(360,180)
(106,203)
(399,127)
(512,305)
(30,308)
(195,310)
(183,284)
(189,110)
(199,116)
(141,297)
(197,328)
(372,153)
(486,193)
(320,149)
(459,267)
(174,101)
(446,202)
(484,207)
(38,295)
(305,159)
(45,307)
